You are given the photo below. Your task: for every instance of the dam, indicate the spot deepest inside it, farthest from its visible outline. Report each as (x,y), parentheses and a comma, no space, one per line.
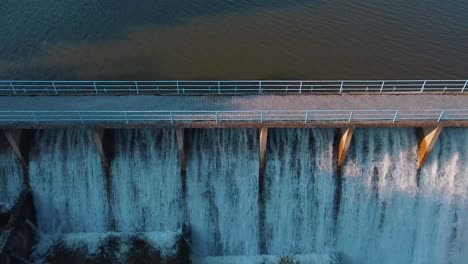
(322,171)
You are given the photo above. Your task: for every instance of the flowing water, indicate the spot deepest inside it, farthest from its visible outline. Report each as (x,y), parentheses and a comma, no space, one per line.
(300,191)
(146,182)
(236,39)
(11,178)
(222,192)
(377,209)
(68,182)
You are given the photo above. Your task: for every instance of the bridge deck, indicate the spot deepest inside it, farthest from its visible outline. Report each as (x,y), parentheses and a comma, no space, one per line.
(308,109)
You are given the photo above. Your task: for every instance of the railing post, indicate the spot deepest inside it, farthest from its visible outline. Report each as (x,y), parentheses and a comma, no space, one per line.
(95,87)
(260,89)
(422,88)
(396,116)
(306,117)
(300,88)
(464,86)
(12,87)
(261,117)
(177,87)
(440,116)
(350,116)
(34,117)
(136,86)
(219,87)
(341,87)
(172,118)
(126,118)
(216,117)
(81,118)
(381,87)
(55,89)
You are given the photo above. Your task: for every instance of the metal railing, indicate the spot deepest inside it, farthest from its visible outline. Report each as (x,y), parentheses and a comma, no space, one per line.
(267,116)
(229,87)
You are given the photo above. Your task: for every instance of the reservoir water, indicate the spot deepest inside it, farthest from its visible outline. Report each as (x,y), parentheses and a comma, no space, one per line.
(243,39)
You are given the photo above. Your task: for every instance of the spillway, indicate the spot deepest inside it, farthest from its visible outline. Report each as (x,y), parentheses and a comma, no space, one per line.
(146,182)
(377,208)
(299,191)
(222,192)
(68,182)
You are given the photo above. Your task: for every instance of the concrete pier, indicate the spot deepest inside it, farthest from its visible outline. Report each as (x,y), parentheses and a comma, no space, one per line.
(13,137)
(346,135)
(428,141)
(262,151)
(98,135)
(180,133)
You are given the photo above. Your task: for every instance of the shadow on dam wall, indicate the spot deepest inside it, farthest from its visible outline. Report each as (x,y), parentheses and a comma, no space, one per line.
(305,203)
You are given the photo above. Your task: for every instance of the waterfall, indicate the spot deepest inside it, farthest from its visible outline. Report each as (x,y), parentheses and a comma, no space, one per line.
(68,182)
(378,196)
(300,187)
(146,182)
(441,217)
(222,193)
(11,177)
(378,208)
(389,213)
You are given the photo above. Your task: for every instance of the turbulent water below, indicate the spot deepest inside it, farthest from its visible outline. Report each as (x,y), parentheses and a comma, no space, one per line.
(377,209)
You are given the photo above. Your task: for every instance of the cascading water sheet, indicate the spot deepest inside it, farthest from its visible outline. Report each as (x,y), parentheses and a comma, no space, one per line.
(68,182)
(299,189)
(441,218)
(377,209)
(11,177)
(390,214)
(146,181)
(222,193)
(378,196)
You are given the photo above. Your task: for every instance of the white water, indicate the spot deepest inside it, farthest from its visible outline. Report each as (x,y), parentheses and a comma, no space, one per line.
(146,181)
(222,192)
(384,215)
(93,244)
(376,218)
(68,182)
(11,177)
(442,212)
(300,189)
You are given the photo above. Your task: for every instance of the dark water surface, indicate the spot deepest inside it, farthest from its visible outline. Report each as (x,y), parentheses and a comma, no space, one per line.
(233,39)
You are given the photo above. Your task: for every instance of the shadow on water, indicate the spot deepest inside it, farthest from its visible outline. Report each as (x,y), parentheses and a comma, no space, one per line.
(105,40)
(48,21)
(256,39)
